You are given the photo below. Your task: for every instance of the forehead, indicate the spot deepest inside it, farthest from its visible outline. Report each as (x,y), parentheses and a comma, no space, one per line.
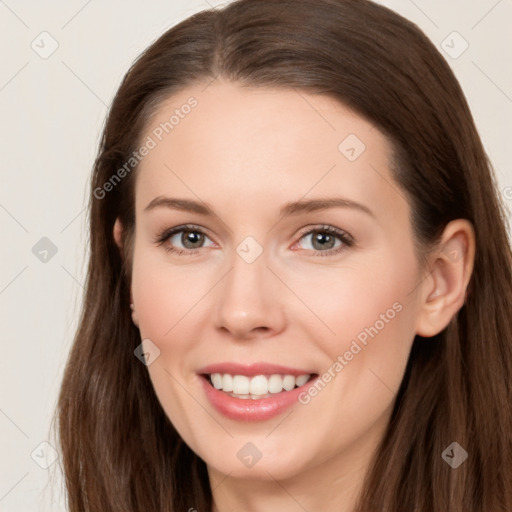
(255,142)
(246,117)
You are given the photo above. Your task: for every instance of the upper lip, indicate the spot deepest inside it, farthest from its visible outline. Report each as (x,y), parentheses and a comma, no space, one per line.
(252,369)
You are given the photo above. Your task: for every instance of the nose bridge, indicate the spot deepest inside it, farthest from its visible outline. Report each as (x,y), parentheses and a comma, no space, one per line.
(248,298)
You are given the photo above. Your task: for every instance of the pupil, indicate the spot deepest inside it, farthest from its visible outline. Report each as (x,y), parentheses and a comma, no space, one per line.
(321,238)
(191,237)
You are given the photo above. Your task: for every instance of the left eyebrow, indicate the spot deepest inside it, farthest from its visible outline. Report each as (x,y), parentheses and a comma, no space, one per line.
(312,205)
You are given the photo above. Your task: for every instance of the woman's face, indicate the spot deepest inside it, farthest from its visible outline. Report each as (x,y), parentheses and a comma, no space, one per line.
(258,281)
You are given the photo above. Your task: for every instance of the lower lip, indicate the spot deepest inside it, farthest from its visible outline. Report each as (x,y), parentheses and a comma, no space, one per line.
(249,409)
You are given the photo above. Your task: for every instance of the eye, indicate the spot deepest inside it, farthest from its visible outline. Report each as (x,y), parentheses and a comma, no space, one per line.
(189,236)
(327,240)
(188,239)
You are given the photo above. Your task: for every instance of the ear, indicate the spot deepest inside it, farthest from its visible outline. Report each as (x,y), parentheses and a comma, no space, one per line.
(118,237)
(118,233)
(444,290)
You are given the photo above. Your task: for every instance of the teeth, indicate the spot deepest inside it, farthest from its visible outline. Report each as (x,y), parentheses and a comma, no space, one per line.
(216,379)
(288,382)
(302,379)
(258,386)
(227,382)
(241,384)
(275,384)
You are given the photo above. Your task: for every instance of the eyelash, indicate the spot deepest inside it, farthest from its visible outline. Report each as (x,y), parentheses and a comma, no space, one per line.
(346,239)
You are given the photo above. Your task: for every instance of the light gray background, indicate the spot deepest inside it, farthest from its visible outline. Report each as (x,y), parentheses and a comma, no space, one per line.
(52,114)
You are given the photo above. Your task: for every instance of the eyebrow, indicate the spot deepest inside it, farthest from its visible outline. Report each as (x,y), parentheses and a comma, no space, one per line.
(293,208)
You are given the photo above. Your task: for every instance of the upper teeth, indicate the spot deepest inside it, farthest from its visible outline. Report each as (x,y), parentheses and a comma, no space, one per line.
(257,385)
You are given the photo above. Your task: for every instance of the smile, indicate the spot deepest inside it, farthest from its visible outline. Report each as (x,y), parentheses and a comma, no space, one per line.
(253,392)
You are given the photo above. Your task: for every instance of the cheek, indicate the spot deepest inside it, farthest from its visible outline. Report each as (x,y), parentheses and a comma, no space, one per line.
(166,299)
(371,315)
(367,312)
(172,307)
(350,298)
(163,293)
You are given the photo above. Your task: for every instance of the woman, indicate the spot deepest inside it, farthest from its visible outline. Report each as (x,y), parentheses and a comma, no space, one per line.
(299,290)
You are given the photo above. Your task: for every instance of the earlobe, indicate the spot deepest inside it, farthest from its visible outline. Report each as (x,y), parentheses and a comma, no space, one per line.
(135,318)
(444,290)
(118,232)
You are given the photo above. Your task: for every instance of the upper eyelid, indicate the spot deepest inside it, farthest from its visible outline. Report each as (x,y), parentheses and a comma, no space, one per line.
(325,227)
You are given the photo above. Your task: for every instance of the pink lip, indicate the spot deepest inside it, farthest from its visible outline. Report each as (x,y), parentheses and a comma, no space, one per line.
(252,369)
(248,409)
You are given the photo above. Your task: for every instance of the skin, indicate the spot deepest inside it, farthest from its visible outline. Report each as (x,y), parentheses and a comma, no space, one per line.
(246,152)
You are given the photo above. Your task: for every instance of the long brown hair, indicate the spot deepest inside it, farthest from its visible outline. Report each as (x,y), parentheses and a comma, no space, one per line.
(119,450)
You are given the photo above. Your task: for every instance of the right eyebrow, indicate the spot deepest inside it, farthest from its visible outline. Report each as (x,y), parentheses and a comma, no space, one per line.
(179,204)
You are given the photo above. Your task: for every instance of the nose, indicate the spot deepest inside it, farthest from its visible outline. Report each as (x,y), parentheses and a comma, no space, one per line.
(249,300)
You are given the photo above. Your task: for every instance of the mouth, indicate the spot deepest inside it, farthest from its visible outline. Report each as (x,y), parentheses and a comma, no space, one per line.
(256,387)
(252,392)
